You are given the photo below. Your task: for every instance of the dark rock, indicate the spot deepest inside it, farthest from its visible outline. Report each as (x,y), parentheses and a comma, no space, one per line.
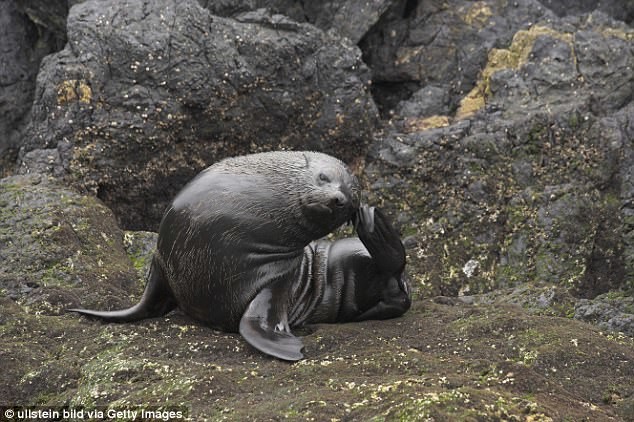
(49,15)
(350,18)
(427,101)
(611,312)
(442,43)
(149,97)
(24,44)
(515,201)
(536,185)
(233,8)
(46,161)
(617,9)
(265,18)
(523,172)
(410,242)
(541,63)
(467,205)
(605,62)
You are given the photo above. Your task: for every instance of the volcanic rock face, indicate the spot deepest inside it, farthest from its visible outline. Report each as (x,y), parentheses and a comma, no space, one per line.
(417,44)
(530,178)
(148,96)
(24,44)
(498,136)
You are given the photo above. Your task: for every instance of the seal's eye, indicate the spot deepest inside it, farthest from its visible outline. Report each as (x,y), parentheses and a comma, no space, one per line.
(324,178)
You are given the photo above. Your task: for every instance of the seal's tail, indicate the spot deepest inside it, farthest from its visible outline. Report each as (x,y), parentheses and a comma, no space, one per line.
(157,300)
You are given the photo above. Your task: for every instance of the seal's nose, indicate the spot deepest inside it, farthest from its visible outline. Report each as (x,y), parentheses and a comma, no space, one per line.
(340,200)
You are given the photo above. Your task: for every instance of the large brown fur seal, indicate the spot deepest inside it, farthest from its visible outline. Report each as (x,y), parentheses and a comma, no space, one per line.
(236,252)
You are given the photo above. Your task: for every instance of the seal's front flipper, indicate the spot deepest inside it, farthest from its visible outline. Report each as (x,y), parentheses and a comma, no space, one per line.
(381,240)
(264,326)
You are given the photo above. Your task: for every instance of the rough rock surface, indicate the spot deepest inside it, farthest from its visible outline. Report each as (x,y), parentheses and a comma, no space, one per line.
(24,44)
(505,157)
(610,311)
(618,9)
(58,247)
(530,180)
(446,43)
(440,43)
(349,18)
(148,96)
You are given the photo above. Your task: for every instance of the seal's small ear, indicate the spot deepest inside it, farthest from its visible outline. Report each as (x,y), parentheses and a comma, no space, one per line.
(307,159)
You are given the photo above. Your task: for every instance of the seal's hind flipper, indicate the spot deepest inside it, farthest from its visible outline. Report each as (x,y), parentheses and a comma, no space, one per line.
(380,239)
(264,326)
(157,300)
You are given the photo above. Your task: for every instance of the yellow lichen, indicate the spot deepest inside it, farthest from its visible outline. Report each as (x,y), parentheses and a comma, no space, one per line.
(478,14)
(512,58)
(617,33)
(73,90)
(473,102)
(406,54)
(417,125)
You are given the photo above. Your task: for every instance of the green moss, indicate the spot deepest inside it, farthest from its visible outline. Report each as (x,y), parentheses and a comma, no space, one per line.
(535,139)
(510,275)
(574,120)
(116,377)
(422,407)
(58,274)
(531,337)
(616,295)
(409,231)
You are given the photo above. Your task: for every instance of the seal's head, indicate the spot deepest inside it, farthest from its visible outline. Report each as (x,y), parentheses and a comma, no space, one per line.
(334,194)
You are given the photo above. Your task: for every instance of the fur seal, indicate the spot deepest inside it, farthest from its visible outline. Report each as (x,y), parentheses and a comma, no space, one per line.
(237,251)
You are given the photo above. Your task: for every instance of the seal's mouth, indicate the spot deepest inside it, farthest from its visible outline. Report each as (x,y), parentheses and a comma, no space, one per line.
(319,207)
(339,205)
(338,201)
(345,203)
(349,197)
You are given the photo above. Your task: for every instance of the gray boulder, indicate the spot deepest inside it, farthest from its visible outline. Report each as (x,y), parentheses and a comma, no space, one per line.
(147,98)
(349,18)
